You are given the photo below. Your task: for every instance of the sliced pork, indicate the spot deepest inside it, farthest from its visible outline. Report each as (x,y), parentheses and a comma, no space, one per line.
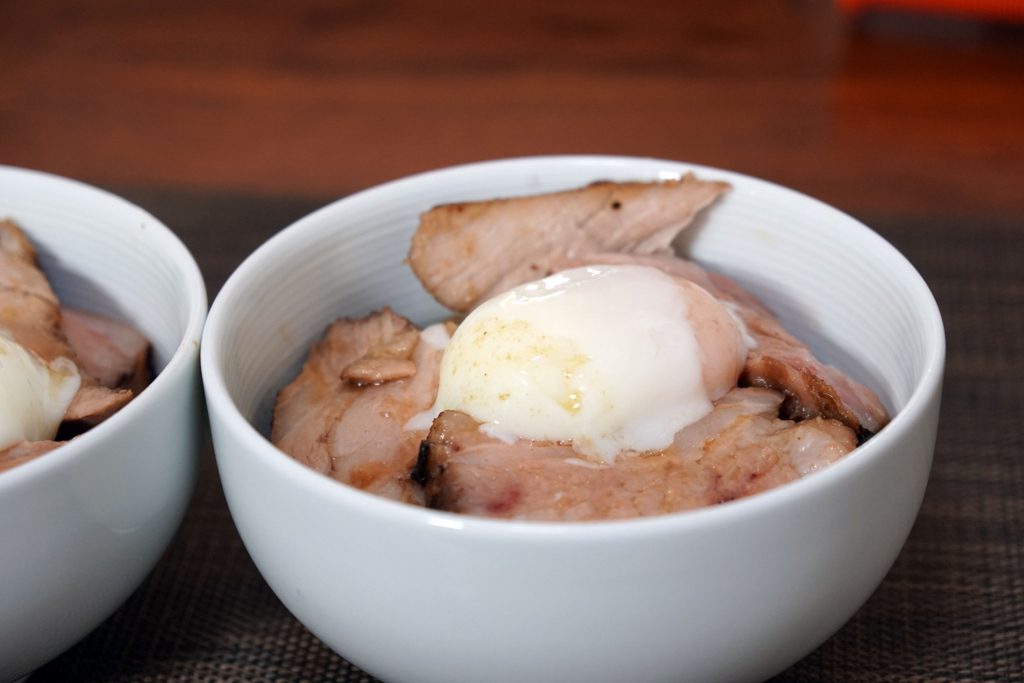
(31,314)
(356,410)
(739,449)
(111,351)
(351,428)
(467,253)
(29,310)
(24,451)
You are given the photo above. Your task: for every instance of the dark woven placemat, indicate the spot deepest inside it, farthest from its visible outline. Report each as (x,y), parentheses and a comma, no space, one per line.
(951,609)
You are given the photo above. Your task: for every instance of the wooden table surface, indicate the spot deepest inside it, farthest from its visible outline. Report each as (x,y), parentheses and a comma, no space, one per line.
(894,114)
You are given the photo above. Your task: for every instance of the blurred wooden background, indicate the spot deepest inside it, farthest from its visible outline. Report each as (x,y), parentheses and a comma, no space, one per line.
(897,114)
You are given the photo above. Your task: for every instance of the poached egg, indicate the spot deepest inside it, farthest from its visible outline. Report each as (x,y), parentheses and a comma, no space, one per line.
(34,394)
(612,358)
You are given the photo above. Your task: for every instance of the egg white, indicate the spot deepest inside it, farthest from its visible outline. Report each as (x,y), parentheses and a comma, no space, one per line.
(34,394)
(612,358)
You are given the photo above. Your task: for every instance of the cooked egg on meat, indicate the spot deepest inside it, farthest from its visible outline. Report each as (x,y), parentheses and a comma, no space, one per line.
(612,358)
(531,408)
(34,394)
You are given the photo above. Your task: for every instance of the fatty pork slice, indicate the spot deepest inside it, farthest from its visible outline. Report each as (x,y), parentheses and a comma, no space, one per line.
(779,361)
(738,449)
(466,253)
(30,313)
(344,414)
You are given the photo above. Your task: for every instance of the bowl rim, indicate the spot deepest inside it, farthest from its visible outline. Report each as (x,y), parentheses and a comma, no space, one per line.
(294,474)
(178,255)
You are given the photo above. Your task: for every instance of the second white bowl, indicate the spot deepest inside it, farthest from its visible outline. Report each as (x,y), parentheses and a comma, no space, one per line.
(81,526)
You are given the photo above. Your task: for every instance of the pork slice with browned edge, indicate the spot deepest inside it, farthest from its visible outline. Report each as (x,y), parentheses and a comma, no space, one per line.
(466,253)
(738,449)
(344,415)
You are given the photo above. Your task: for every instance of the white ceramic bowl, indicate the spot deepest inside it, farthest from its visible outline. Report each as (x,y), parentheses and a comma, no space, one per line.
(81,526)
(731,593)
